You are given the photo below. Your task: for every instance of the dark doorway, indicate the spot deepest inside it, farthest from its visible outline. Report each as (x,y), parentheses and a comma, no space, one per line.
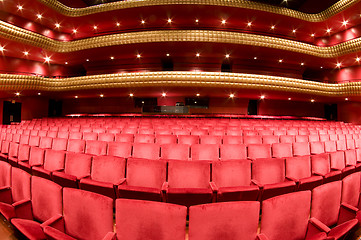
(11,112)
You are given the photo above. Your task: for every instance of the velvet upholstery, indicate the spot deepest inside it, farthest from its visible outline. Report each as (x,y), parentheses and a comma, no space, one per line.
(34,141)
(123,137)
(341,145)
(210,139)
(90,136)
(165,139)
(175,151)
(95,147)
(301,149)
(119,149)
(287,139)
(137,219)
(106,137)
(224,221)
(232,180)
(86,215)
(5,174)
(253,139)
(270,139)
(106,173)
(75,135)
(205,152)
(45,142)
(229,139)
(144,179)
(233,152)
(188,139)
(301,138)
(36,158)
(330,146)
(53,161)
(76,145)
(321,166)
(60,144)
(351,189)
(259,151)
(281,150)
(317,147)
(146,150)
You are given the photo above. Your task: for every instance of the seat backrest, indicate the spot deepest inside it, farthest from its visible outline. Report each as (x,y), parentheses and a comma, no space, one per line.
(350,144)
(146,150)
(317,147)
(36,157)
(107,137)
(337,160)
(45,191)
(281,211)
(5,174)
(119,149)
(77,164)
(207,139)
(45,142)
(301,149)
(13,149)
(24,152)
(188,174)
(20,184)
(146,173)
(232,139)
(298,167)
(341,145)
(268,171)
(280,150)
(270,139)
(231,173)
(233,152)
(324,137)
(351,189)
(330,146)
(320,163)
(90,136)
(175,151)
(76,145)
(59,144)
(350,157)
(95,147)
(54,160)
(252,139)
(165,139)
(209,221)
(188,139)
(63,134)
(24,139)
(141,218)
(75,135)
(313,138)
(108,169)
(124,137)
(326,201)
(207,152)
(34,141)
(144,138)
(87,215)
(259,151)
(287,139)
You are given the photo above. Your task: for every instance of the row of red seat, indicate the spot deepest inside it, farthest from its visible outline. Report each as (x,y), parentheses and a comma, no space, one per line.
(41,209)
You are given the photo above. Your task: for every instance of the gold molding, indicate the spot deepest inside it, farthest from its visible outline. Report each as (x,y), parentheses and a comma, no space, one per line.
(179,79)
(318,17)
(27,37)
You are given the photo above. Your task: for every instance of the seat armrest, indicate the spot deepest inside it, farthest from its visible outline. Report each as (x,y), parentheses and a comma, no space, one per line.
(121,181)
(110,236)
(255,182)
(5,195)
(56,222)
(347,212)
(292,179)
(261,236)
(214,187)
(315,226)
(23,209)
(318,174)
(335,169)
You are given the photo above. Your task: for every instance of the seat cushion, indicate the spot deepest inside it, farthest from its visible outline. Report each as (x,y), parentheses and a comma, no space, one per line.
(29,228)
(7,211)
(52,233)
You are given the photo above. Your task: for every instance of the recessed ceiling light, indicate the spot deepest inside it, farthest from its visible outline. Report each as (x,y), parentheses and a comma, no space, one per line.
(312,100)
(20,7)
(76,96)
(26,53)
(249,24)
(2,49)
(39,16)
(47,59)
(255,58)
(169,20)
(17,94)
(95,27)
(197,21)
(263,97)
(223,21)
(289,99)
(57,25)
(346,99)
(273,27)
(131,94)
(227,55)
(197,94)
(39,93)
(312,35)
(118,24)
(143,22)
(231,95)
(338,65)
(328,30)
(294,30)
(101,95)
(164,94)
(280,60)
(112,58)
(302,63)
(321,67)
(345,22)
(87,60)
(66,63)
(167,54)
(198,54)
(75,31)
(139,56)
(357,59)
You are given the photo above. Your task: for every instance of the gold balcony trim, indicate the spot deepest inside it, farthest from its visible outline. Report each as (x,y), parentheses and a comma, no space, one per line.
(179,79)
(318,17)
(24,36)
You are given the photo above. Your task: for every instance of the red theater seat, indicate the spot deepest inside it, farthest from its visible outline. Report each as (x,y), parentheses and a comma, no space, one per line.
(76,145)
(175,152)
(31,213)
(97,148)
(45,142)
(189,183)
(120,149)
(269,176)
(53,161)
(317,147)
(287,139)
(232,140)
(146,150)
(341,145)
(270,139)
(106,174)
(351,190)
(259,151)
(13,195)
(127,138)
(36,158)
(223,221)
(207,139)
(5,175)
(321,167)
(252,139)
(75,135)
(106,137)
(233,152)
(60,144)
(281,150)
(23,155)
(86,215)
(298,169)
(90,136)
(205,152)
(330,146)
(232,181)
(188,139)
(286,217)
(327,208)
(62,134)
(145,180)
(301,149)
(165,139)
(13,153)
(24,139)
(77,166)
(144,138)
(136,219)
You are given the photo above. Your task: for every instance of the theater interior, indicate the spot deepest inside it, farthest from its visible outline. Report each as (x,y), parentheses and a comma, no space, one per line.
(192,119)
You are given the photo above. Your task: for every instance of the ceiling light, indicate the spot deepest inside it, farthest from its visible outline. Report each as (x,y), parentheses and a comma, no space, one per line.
(101,95)
(167,54)
(280,60)
(262,97)
(197,94)
(39,93)
(231,95)
(20,7)
(345,22)
(169,20)
(289,99)
(227,55)
(76,96)
(328,30)
(312,35)
(164,94)
(39,16)
(255,58)
(47,59)
(302,64)
(57,25)
(139,56)
(26,53)
(17,94)
(312,100)
(118,24)
(223,21)
(338,65)
(143,22)
(249,24)
(346,99)
(95,27)
(66,63)
(2,49)
(357,59)
(75,31)
(294,30)
(112,58)
(197,55)
(131,94)
(321,67)
(273,27)
(197,21)
(87,60)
